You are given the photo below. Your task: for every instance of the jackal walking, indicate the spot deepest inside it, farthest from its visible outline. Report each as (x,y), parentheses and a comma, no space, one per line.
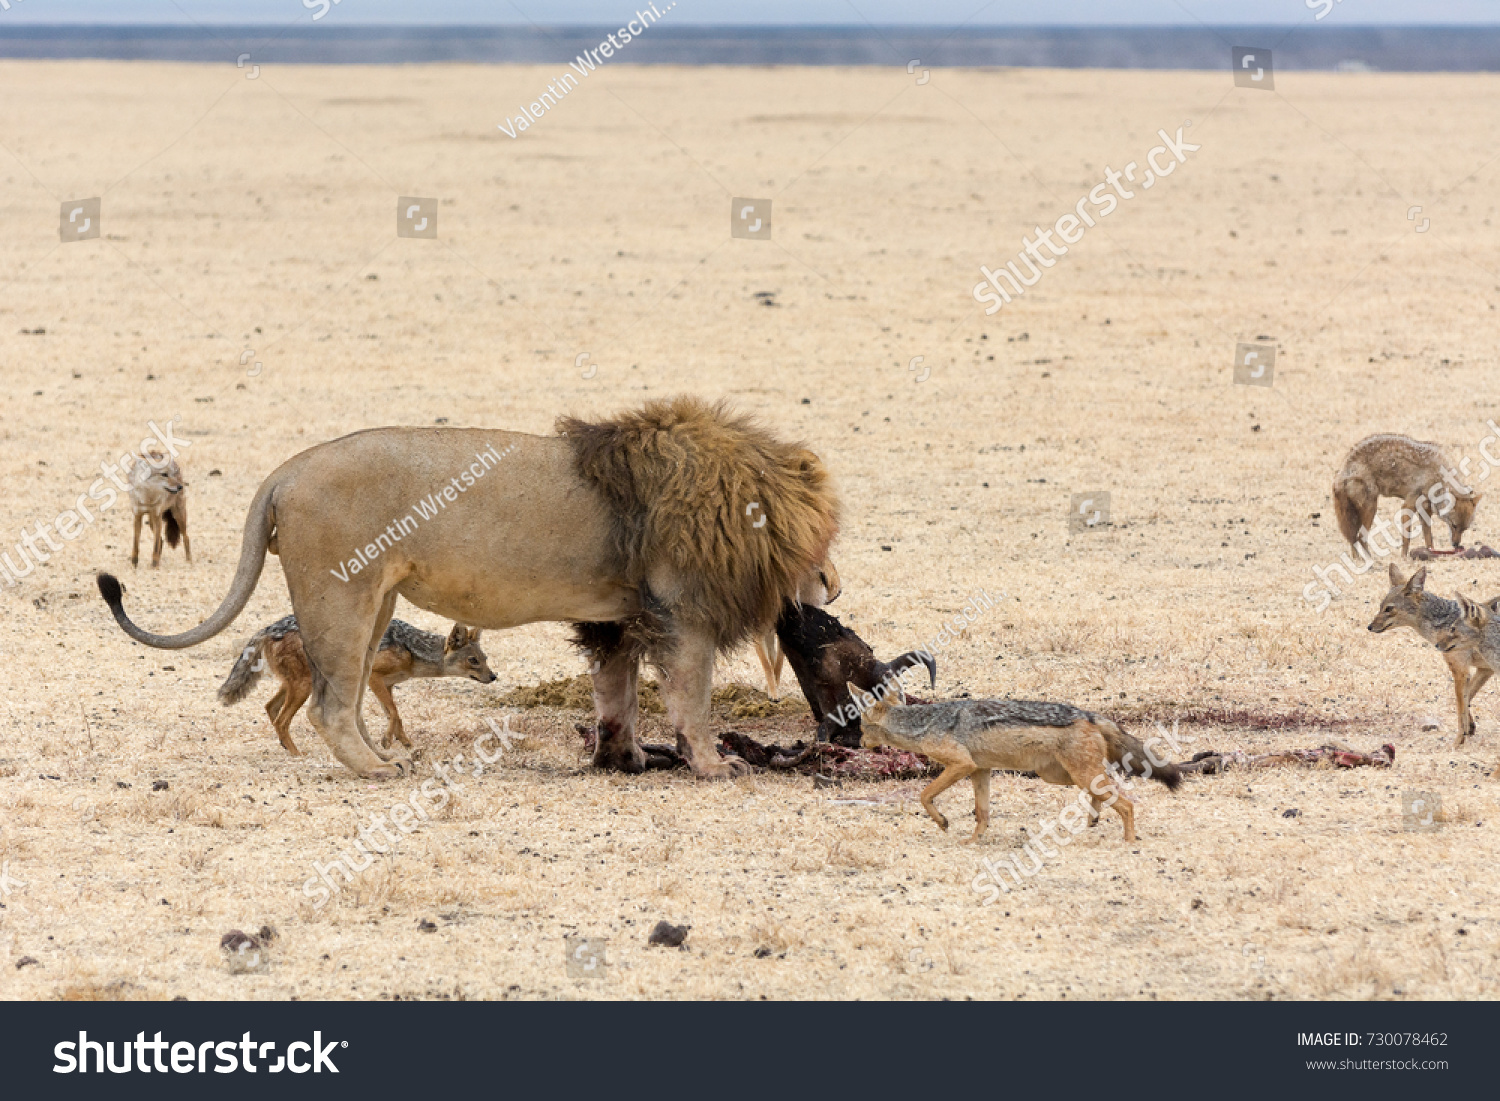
(1062,744)
(405,653)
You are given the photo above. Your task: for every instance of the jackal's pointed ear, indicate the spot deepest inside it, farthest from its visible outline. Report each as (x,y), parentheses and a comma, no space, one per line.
(1419,579)
(1396,578)
(457,639)
(1477,614)
(1472,613)
(860,697)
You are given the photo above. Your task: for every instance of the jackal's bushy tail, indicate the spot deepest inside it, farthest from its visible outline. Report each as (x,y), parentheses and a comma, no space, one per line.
(1129,753)
(247,669)
(1350,521)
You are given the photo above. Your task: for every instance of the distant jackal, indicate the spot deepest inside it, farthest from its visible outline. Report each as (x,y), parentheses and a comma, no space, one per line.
(1410,470)
(158,493)
(405,653)
(1062,744)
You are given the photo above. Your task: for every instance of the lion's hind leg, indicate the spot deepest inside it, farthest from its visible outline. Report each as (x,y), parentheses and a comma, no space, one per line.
(336,632)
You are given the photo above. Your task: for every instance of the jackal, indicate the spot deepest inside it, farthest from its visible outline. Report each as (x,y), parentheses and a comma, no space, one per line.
(158,493)
(1062,744)
(405,653)
(1409,604)
(1473,638)
(1411,470)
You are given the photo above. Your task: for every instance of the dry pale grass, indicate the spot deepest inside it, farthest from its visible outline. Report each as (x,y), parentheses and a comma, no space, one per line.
(260,218)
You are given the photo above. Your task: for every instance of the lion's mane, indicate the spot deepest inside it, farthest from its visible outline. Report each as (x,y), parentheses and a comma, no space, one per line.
(687,481)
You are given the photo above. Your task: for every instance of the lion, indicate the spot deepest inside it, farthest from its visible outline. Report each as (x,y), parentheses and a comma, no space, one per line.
(671,533)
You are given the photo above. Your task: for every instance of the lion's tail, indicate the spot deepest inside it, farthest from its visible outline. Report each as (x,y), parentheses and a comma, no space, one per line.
(259,524)
(247,669)
(1135,758)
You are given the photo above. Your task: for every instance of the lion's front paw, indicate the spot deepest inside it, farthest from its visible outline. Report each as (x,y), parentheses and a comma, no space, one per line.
(725,768)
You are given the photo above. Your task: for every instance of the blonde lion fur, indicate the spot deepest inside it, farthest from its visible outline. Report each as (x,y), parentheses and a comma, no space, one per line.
(687,482)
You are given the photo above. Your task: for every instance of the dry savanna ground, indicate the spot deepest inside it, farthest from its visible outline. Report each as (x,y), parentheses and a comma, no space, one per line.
(140,821)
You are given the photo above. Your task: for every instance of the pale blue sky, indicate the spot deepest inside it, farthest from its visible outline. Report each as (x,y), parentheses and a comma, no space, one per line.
(754,12)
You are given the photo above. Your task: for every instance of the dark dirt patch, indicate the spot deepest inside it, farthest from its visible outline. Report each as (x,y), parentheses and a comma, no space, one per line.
(827,761)
(730,701)
(1231,718)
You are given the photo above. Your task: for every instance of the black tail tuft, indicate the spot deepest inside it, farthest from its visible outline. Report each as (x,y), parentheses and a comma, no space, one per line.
(1135,758)
(174,532)
(112,592)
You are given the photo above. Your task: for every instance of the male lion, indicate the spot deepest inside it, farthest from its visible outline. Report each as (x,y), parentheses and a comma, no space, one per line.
(670,533)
